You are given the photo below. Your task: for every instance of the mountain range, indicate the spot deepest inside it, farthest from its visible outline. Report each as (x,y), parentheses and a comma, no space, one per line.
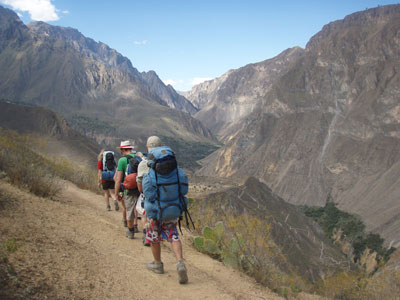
(96,89)
(311,123)
(317,122)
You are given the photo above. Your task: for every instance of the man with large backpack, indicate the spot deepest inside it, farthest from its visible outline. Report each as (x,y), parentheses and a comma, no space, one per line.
(126,182)
(164,186)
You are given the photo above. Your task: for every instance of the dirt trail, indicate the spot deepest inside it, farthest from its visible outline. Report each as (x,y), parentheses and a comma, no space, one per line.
(74,249)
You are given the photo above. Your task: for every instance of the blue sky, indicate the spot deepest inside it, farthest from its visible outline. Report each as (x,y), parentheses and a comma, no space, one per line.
(188,41)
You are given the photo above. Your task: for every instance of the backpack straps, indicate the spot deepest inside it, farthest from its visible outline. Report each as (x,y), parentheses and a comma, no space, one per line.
(185,209)
(158,203)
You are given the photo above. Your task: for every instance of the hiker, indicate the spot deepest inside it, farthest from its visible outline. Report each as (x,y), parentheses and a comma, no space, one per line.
(142,170)
(105,174)
(130,196)
(158,227)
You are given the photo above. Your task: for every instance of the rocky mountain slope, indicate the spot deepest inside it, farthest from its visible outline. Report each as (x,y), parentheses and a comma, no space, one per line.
(94,87)
(112,59)
(167,93)
(225,101)
(58,138)
(307,251)
(329,123)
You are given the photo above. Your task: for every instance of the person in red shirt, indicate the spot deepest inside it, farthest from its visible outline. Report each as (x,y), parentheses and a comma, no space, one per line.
(108,185)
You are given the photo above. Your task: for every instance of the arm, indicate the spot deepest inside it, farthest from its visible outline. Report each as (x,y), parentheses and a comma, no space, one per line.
(118,184)
(142,169)
(99,170)
(99,177)
(139,186)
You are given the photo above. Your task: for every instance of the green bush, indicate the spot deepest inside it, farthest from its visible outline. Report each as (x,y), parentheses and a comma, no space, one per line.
(331,219)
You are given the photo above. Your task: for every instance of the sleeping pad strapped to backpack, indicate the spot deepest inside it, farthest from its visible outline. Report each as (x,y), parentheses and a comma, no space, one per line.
(165,186)
(109,166)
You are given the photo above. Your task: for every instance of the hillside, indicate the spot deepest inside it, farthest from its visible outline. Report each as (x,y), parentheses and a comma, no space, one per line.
(328,123)
(90,258)
(94,87)
(225,101)
(305,250)
(58,139)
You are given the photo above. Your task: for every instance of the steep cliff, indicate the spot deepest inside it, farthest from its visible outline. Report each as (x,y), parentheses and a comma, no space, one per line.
(330,123)
(225,101)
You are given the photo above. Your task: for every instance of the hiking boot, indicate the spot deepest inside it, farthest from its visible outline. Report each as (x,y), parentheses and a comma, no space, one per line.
(116,205)
(125,223)
(136,228)
(130,234)
(182,272)
(156,267)
(108,207)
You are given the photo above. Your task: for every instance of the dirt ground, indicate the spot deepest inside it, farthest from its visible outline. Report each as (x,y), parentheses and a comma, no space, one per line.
(72,248)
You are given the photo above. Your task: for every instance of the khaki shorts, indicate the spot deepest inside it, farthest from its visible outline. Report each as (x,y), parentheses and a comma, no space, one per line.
(130,205)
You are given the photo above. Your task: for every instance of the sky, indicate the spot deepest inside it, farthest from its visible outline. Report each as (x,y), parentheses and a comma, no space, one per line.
(187,42)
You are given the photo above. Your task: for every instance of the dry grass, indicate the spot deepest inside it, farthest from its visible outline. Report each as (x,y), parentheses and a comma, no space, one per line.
(247,245)
(40,175)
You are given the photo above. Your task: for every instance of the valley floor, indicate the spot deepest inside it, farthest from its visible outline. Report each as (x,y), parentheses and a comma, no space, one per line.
(72,248)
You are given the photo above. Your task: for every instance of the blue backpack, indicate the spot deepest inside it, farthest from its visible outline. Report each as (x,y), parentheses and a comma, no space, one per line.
(165,186)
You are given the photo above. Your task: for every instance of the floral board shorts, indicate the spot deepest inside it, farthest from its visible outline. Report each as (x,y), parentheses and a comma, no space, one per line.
(168,232)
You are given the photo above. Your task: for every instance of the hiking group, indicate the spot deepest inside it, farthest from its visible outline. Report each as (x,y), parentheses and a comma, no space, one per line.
(152,188)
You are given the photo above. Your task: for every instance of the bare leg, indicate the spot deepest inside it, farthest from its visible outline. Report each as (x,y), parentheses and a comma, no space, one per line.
(130,223)
(112,194)
(143,221)
(107,196)
(177,248)
(156,250)
(123,210)
(136,215)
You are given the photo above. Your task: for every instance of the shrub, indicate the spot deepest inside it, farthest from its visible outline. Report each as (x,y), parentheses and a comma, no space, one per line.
(243,242)
(331,219)
(40,175)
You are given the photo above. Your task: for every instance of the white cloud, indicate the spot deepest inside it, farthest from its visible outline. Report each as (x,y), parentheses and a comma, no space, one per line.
(198,80)
(169,81)
(173,82)
(144,42)
(39,10)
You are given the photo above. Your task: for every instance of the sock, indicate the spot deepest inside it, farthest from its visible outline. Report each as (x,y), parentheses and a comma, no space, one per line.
(132,229)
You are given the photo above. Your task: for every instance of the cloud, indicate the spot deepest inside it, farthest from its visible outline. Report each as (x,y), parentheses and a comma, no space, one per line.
(173,82)
(169,81)
(39,10)
(144,42)
(198,80)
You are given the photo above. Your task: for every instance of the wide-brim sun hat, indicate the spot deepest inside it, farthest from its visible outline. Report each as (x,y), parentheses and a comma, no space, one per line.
(125,145)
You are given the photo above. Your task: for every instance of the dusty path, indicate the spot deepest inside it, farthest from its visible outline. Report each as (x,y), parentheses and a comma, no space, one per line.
(74,249)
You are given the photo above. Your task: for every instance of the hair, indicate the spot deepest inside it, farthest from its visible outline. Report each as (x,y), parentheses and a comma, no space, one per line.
(100,157)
